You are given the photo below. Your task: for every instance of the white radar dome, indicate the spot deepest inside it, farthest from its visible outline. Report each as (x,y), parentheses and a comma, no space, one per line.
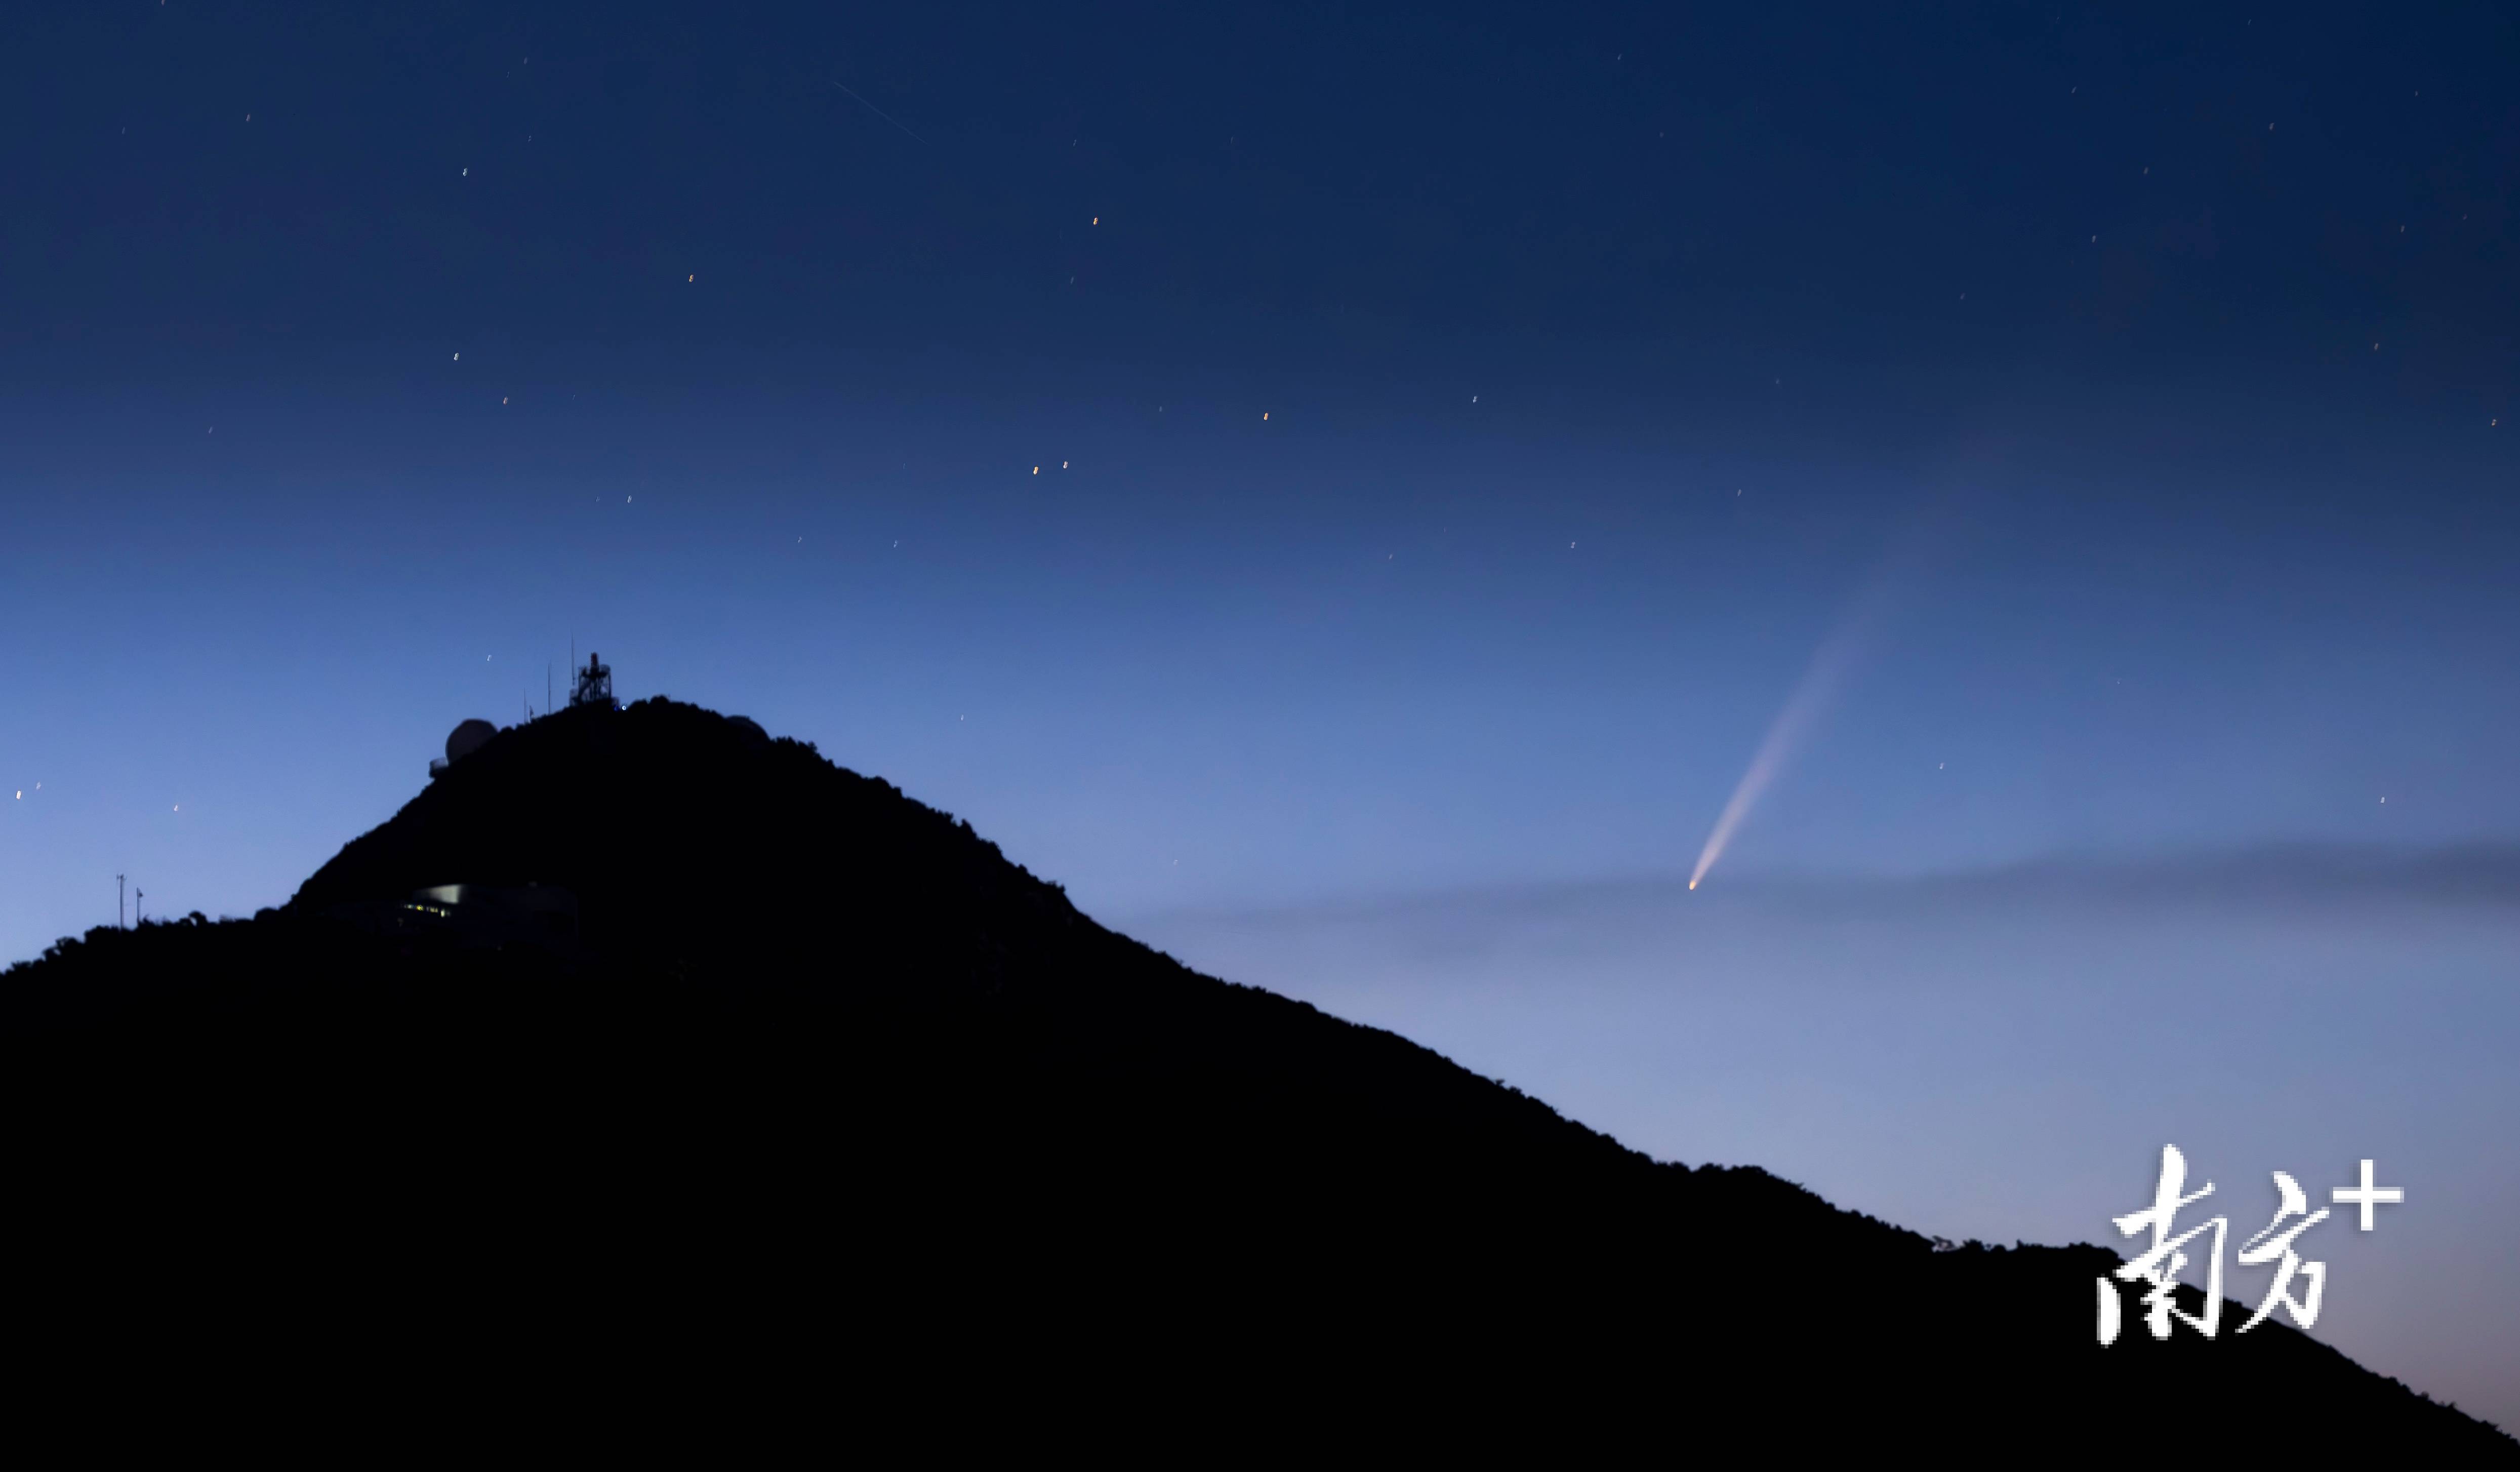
(466,739)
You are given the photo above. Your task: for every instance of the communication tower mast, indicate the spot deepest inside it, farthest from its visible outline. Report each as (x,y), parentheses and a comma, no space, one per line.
(594,684)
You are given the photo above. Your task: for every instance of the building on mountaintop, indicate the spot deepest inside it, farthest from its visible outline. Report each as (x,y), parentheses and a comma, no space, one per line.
(463,742)
(593,685)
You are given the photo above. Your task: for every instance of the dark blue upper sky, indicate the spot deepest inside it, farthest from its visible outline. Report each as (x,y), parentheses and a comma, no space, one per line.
(1455,430)
(1801,183)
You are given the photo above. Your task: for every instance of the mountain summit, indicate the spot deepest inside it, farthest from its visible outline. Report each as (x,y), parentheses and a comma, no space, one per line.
(643,1061)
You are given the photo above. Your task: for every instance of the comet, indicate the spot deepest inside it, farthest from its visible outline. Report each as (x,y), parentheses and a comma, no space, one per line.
(1785,734)
(1812,696)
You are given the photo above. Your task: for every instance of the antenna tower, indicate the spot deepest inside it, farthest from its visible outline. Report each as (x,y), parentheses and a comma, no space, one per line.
(593,685)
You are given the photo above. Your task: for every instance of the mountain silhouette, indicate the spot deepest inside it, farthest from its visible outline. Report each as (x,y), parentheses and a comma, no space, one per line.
(710,1090)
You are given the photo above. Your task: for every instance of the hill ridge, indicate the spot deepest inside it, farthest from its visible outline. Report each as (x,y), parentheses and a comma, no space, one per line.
(805,1013)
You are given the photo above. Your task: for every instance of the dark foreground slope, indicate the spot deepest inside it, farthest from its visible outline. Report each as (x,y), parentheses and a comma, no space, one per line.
(832,1122)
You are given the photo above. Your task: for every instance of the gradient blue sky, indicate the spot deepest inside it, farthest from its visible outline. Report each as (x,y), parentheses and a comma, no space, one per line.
(1457,428)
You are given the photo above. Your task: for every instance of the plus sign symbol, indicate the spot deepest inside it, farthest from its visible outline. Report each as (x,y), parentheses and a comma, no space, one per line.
(2366,1195)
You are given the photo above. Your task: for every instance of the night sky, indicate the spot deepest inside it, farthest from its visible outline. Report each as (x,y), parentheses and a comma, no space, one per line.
(1269,466)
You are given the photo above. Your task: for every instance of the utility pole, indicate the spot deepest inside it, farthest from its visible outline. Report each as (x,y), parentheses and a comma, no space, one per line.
(117,902)
(137,894)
